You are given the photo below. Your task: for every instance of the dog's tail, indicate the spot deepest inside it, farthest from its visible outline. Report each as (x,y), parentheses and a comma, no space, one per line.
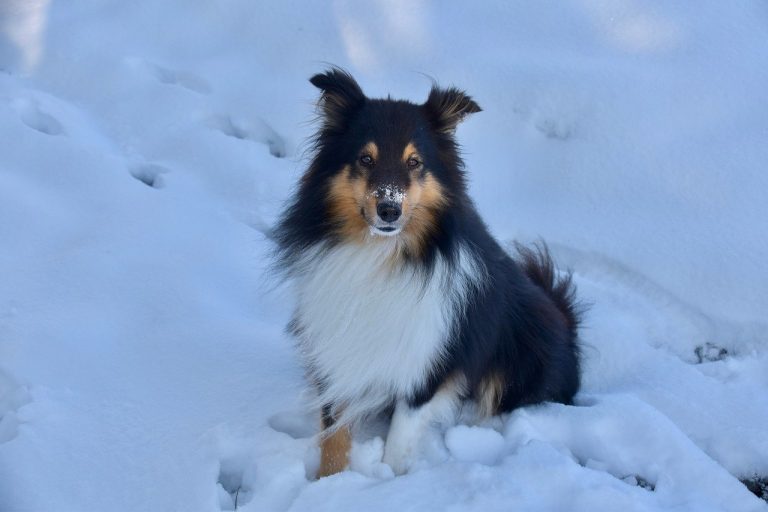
(537,264)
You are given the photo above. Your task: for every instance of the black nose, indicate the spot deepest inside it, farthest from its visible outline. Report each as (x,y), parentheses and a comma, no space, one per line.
(388,211)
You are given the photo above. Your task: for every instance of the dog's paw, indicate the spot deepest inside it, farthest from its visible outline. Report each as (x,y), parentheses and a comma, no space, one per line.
(399,464)
(398,456)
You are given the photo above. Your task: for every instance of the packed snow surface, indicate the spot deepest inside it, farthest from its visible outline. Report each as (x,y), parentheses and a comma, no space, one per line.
(146,148)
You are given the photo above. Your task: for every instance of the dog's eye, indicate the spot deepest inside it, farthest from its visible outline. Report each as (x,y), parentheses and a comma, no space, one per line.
(366,160)
(412,163)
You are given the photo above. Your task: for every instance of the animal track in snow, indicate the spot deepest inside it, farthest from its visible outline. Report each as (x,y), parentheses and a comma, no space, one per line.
(555,128)
(639,481)
(37,119)
(184,79)
(552,115)
(262,469)
(632,479)
(261,132)
(710,353)
(232,492)
(150,174)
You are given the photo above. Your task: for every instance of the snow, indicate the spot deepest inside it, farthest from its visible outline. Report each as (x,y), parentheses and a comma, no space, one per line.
(146,148)
(392,192)
(474,444)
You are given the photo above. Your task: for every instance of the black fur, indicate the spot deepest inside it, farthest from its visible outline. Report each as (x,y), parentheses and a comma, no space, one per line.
(522,326)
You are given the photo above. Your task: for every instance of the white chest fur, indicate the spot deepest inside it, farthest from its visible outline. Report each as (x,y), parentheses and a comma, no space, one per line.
(371,332)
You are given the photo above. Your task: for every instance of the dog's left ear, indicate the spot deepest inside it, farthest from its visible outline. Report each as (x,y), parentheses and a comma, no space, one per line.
(341,96)
(446,108)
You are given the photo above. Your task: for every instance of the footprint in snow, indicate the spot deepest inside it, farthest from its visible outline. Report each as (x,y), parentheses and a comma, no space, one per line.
(632,479)
(174,77)
(710,353)
(150,174)
(258,131)
(555,128)
(233,493)
(235,480)
(638,481)
(37,119)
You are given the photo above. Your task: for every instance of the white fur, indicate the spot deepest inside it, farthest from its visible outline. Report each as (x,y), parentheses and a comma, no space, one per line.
(371,330)
(375,231)
(410,424)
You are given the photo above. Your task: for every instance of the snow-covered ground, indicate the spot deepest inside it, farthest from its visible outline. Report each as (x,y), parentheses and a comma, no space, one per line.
(145,148)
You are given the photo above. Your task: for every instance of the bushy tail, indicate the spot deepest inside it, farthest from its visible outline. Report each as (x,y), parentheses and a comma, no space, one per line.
(537,264)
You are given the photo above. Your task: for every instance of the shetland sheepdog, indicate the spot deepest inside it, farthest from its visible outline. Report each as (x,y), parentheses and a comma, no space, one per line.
(406,303)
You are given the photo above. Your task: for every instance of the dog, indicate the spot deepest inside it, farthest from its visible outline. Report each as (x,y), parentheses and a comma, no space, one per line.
(405,302)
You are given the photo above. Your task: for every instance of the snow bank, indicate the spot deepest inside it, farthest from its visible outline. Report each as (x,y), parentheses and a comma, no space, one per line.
(147,147)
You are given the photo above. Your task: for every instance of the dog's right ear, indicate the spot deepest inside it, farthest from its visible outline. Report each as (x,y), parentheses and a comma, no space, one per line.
(341,96)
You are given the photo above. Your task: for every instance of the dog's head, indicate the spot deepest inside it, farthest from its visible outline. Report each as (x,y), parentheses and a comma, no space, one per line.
(394,165)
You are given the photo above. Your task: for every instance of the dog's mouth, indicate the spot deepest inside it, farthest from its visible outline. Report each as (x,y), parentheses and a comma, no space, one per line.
(385,230)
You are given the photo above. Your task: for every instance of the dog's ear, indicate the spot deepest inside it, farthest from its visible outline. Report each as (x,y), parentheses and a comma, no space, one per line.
(340,97)
(446,108)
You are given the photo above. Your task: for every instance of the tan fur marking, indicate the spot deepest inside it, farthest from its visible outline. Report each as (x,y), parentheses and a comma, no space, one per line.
(371,149)
(490,392)
(345,198)
(422,203)
(456,384)
(409,151)
(334,452)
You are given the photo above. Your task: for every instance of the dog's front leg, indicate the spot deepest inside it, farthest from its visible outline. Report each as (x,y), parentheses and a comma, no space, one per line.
(335,443)
(411,421)
(406,430)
